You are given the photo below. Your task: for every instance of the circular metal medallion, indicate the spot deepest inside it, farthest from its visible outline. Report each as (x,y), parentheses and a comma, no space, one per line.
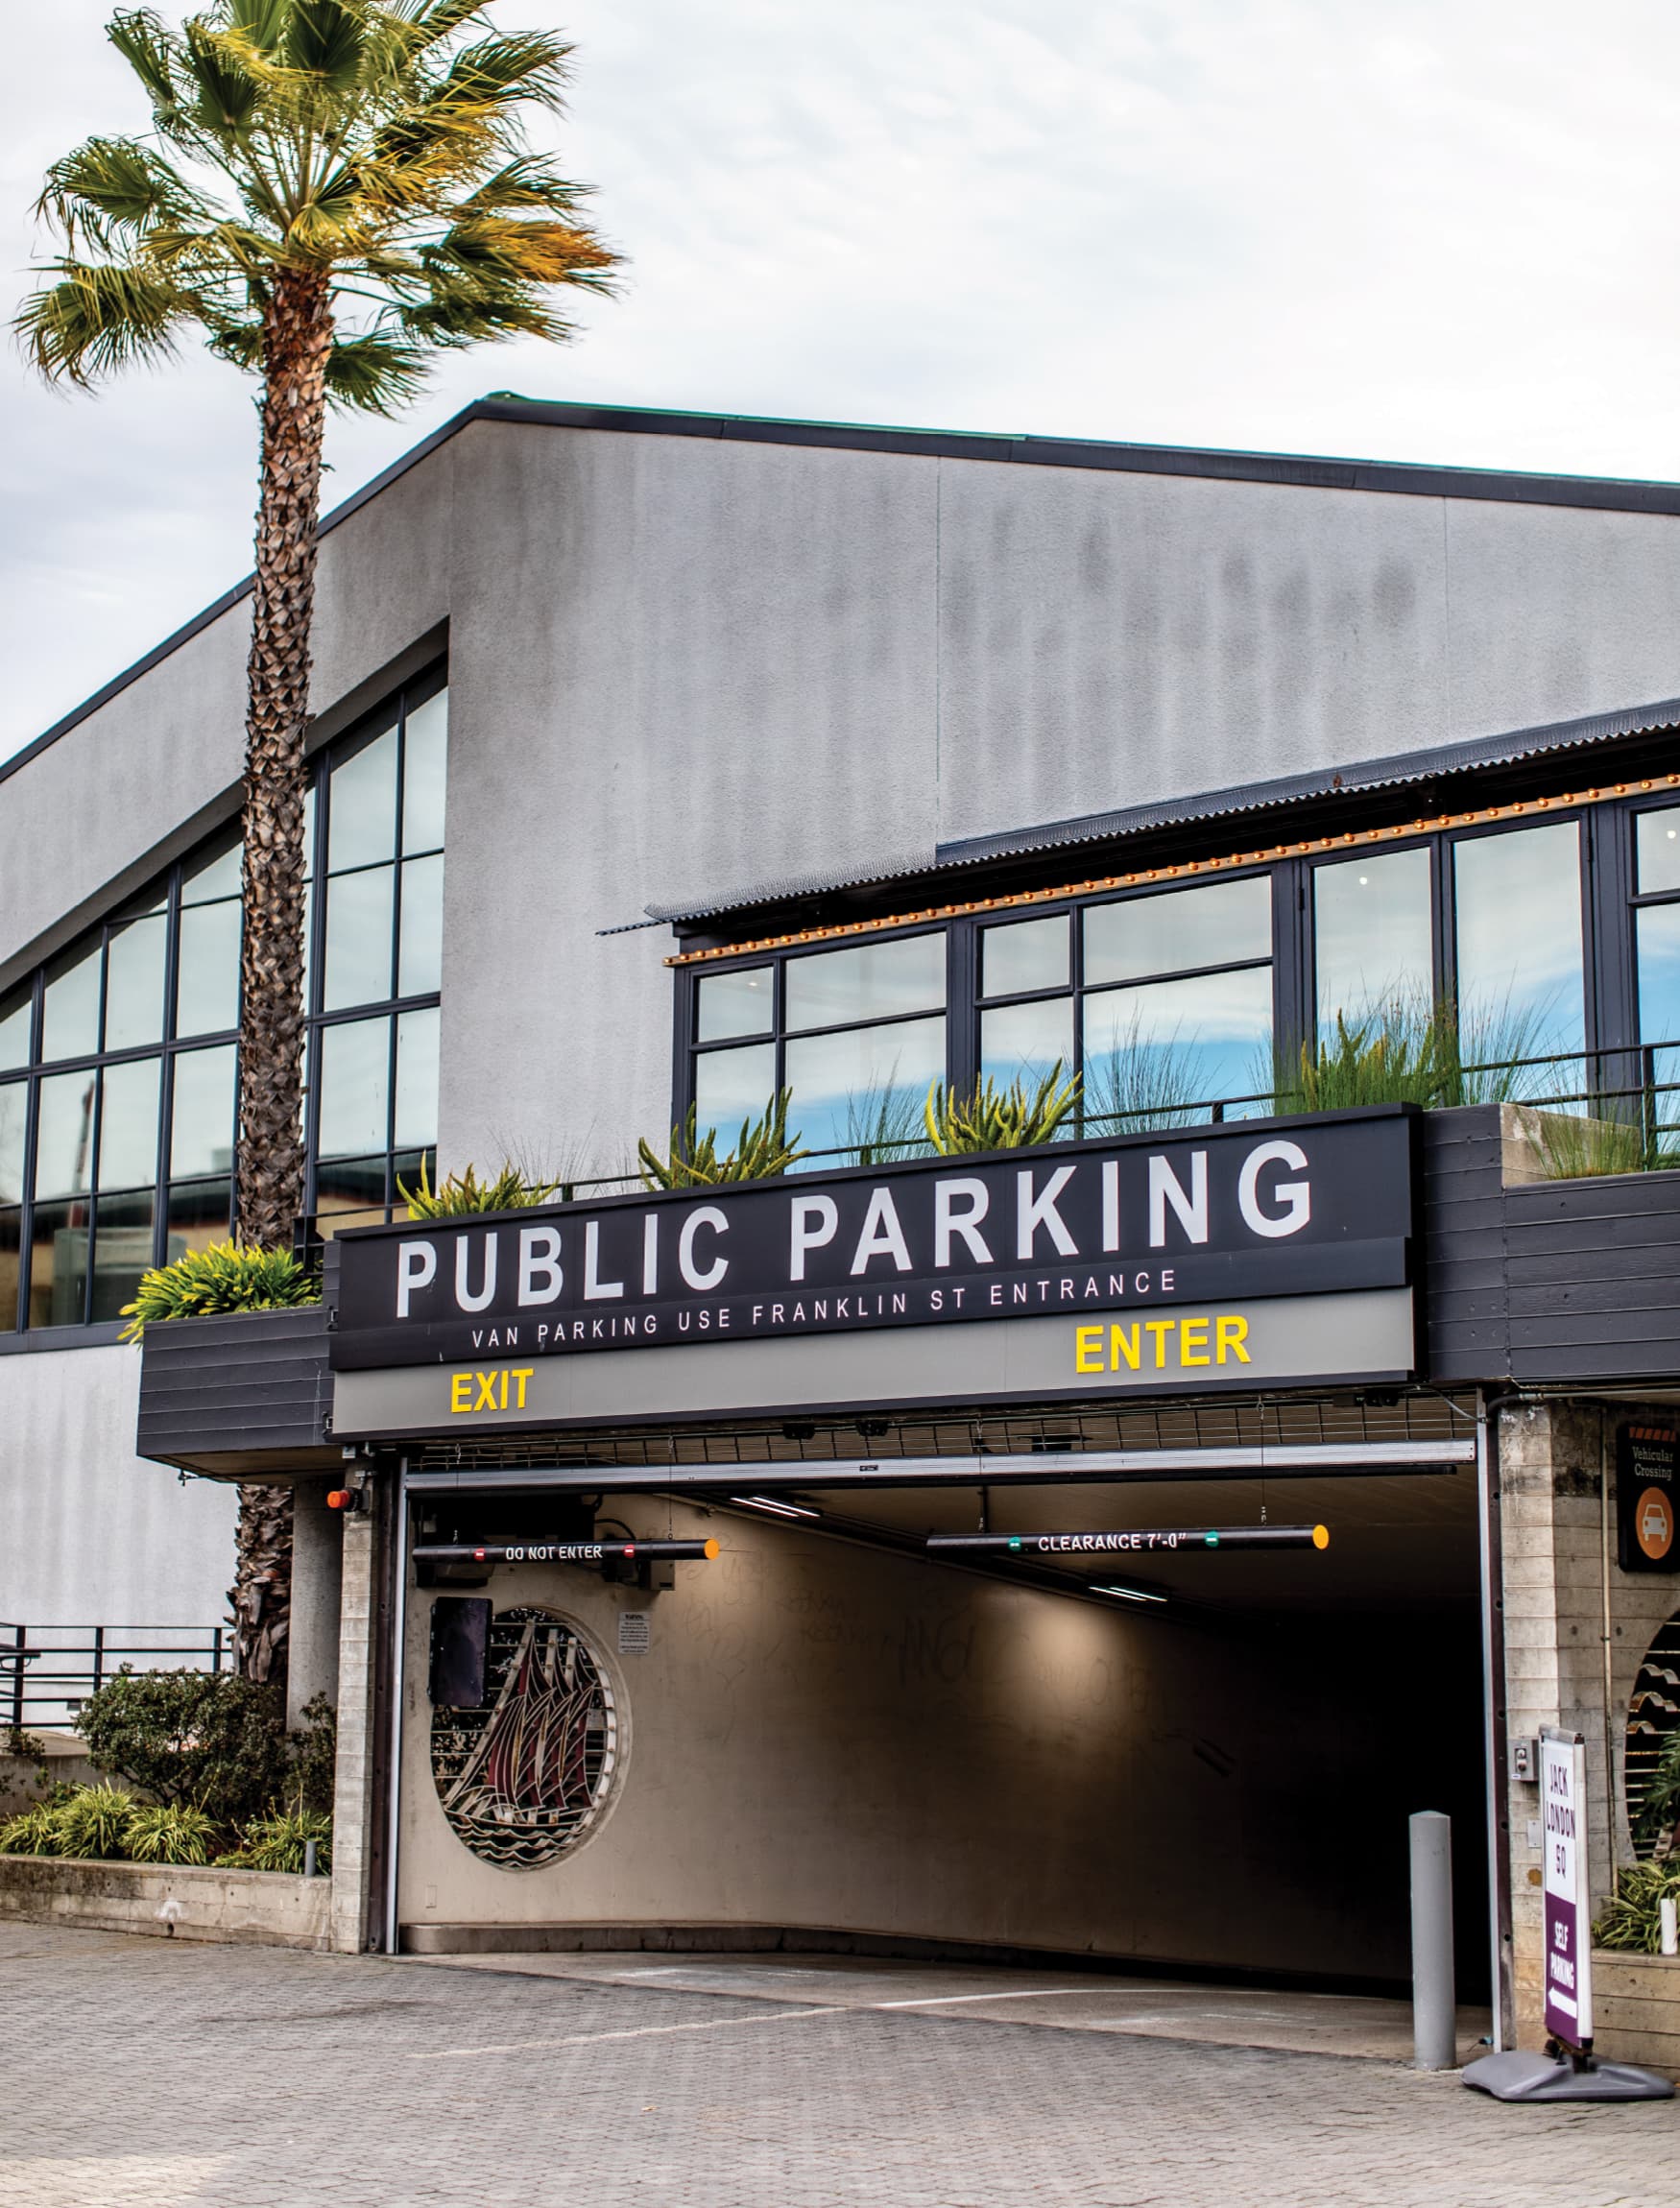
(525,1777)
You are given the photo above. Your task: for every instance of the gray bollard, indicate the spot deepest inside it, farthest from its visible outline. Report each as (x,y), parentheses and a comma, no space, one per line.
(1434,2006)
(308,1859)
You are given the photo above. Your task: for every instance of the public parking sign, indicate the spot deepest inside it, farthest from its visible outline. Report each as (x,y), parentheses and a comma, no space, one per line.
(1568,1926)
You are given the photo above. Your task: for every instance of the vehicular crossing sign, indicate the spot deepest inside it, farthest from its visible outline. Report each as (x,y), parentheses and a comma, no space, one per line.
(1568,1931)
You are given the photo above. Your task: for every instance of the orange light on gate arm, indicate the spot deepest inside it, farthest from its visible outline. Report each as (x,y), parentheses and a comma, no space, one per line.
(1321,1537)
(710,1549)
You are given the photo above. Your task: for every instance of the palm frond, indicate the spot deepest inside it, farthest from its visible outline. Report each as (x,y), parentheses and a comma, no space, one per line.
(327,40)
(113,186)
(151,49)
(99,317)
(374,373)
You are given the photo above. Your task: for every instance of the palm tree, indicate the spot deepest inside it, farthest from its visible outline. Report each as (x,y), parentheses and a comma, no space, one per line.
(330,190)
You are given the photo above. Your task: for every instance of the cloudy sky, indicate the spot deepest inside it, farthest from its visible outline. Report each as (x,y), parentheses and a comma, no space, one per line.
(1418,229)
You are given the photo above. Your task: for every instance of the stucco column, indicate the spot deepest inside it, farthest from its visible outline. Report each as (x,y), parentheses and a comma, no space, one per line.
(354,1805)
(317,1582)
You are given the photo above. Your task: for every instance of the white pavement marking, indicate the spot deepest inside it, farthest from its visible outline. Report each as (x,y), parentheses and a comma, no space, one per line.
(641,2031)
(950,1999)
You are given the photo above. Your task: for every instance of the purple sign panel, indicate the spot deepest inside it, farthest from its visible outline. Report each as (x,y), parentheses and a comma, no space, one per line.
(1569,1933)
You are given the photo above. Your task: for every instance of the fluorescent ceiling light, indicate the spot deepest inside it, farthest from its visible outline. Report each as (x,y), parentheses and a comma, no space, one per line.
(1129,1594)
(774,1504)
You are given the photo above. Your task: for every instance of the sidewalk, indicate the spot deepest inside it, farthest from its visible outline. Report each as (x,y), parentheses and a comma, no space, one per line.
(142,2074)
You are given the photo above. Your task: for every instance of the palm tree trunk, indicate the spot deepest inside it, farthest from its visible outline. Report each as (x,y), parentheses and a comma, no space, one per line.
(261,1594)
(298,337)
(269,1190)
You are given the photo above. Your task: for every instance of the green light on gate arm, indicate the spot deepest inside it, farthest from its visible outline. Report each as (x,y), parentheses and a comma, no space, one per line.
(1212,1538)
(1014,1544)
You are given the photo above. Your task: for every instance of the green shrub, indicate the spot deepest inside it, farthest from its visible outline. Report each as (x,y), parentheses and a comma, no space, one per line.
(225,1277)
(994,1118)
(465,1192)
(762,1149)
(1632,1918)
(277,1843)
(315,1757)
(207,1737)
(1405,1049)
(883,1123)
(93,1824)
(1659,1817)
(31,1833)
(169,1833)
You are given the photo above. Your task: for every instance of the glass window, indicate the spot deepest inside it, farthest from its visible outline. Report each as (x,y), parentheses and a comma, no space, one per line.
(419,954)
(1024,1040)
(134,982)
(70,1014)
(417,1080)
(10,1268)
(861,1084)
(358,939)
(730,1086)
(425,738)
(206,1000)
(57,1265)
(1178,929)
(1518,913)
(207,880)
(1657,850)
(865,981)
(15,1019)
(1169,1044)
(1657,937)
(740,1002)
(1024,954)
(200,1133)
(355,1088)
(362,805)
(63,1150)
(350,1191)
(1373,935)
(122,1251)
(13,1129)
(128,1124)
(200,1213)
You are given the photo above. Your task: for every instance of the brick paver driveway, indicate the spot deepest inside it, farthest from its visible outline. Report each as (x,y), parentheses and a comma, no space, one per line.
(137,2074)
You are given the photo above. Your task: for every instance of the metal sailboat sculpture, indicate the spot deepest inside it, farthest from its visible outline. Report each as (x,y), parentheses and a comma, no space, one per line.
(529,1766)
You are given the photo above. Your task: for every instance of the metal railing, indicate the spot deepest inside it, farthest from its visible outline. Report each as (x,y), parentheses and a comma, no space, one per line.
(1618,1085)
(48,1671)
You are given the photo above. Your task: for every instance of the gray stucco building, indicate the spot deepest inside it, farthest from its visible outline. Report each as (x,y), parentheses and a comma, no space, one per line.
(671,762)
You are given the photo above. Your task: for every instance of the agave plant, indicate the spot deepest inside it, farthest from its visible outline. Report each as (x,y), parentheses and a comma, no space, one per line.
(996,1118)
(232,1276)
(1633,1918)
(277,1843)
(93,1824)
(169,1833)
(31,1833)
(507,1190)
(762,1149)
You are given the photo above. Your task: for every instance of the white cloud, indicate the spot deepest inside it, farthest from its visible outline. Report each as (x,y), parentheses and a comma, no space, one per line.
(1414,229)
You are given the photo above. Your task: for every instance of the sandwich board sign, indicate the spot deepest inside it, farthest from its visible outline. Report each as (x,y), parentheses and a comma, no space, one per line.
(1568,1930)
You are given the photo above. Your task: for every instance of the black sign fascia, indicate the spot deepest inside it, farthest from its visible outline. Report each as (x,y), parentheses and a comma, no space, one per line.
(1230,1213)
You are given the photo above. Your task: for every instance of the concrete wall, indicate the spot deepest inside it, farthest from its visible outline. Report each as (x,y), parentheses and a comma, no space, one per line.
(821,1737)
(1577,1629)
(238,1907)
(90,1535)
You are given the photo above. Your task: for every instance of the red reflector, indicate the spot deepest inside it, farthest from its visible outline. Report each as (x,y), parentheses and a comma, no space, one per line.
(338,1499)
